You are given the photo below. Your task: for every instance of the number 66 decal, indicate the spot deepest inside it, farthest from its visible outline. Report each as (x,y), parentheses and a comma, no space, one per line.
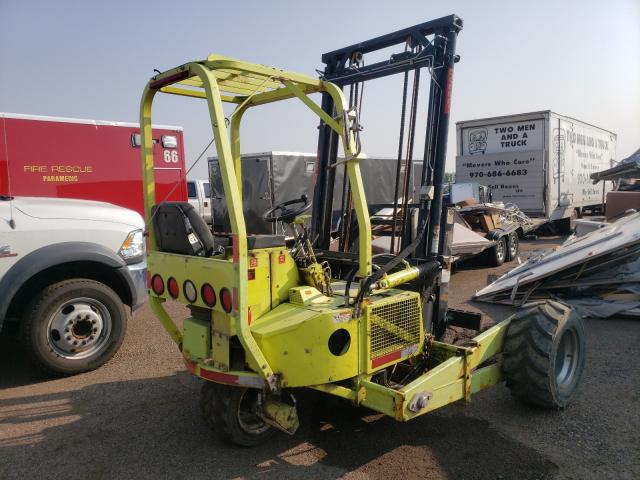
(171,156)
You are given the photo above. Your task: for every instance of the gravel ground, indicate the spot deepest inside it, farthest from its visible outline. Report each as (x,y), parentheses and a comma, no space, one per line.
(137,417)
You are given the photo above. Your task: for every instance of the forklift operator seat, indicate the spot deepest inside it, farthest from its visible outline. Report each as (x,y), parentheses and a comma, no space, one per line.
(179,229)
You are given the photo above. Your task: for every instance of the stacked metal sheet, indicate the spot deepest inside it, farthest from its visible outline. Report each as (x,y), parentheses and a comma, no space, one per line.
(598,272)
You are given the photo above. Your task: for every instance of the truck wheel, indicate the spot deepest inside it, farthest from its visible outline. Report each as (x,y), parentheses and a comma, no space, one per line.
(231,413)
(544,355)
(513,245)
(498,253)
(74,326)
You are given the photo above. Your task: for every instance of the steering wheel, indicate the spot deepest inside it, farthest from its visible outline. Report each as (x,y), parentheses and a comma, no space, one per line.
(285,211)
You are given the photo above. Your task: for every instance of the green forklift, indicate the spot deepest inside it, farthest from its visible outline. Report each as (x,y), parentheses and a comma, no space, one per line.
(316,308)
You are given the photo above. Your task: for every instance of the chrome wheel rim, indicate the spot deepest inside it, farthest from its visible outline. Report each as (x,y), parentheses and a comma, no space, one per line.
(567,358)
(513,246)
(500,249)
(79,328)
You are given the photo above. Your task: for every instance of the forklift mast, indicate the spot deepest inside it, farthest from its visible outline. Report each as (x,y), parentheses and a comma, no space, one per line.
(431,46)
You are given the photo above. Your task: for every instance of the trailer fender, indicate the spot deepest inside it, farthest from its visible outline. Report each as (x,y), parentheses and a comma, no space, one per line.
(497,234)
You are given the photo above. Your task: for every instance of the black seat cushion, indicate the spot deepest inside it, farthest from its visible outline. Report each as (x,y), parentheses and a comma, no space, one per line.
(179,229)
(254,242)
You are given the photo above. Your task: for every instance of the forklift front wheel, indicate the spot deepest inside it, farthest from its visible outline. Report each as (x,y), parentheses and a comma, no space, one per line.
(231,413)
(544,355)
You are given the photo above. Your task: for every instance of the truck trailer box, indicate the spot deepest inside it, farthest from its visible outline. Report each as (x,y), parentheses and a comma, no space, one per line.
(270,178)
(87,159)
(539,161)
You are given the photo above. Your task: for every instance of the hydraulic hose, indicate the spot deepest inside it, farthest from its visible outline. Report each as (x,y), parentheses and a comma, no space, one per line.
(368,282)
(347,289)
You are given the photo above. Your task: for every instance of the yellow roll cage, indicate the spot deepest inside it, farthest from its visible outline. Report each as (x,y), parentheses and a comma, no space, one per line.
(219,80)
(462,370)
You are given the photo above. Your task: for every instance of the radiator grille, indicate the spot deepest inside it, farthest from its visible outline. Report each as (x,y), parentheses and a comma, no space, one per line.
(394,326)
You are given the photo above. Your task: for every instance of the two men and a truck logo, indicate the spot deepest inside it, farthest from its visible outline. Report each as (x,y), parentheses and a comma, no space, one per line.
(478,141)
(501,138)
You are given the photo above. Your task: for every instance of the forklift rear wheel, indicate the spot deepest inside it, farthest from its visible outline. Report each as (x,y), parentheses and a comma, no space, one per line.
(513,244)
(231,413)
(544,355)
(498,253)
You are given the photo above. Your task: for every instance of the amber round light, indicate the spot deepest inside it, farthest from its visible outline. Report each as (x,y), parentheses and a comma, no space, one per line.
(208,295)
(173,288)
(157,284)
(226,300)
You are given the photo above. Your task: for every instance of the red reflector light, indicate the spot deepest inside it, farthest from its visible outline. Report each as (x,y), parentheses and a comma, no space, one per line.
(172,287)
(226,300)
(157,284)
(190,291)
(208,295)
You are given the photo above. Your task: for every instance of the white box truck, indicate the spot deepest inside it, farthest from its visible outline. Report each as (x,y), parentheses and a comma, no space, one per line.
(540,161)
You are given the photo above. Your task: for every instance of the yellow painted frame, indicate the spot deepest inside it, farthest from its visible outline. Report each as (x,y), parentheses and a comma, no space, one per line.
(463,371)
(456,371)
(246,85)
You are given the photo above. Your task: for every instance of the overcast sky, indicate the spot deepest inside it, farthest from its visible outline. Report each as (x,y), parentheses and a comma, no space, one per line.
(91,59)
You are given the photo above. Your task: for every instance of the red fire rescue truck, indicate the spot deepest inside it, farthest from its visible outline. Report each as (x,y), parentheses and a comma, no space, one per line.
(87,159)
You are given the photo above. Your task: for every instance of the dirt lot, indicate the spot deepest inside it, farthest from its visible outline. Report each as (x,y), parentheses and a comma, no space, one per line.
(137,417)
